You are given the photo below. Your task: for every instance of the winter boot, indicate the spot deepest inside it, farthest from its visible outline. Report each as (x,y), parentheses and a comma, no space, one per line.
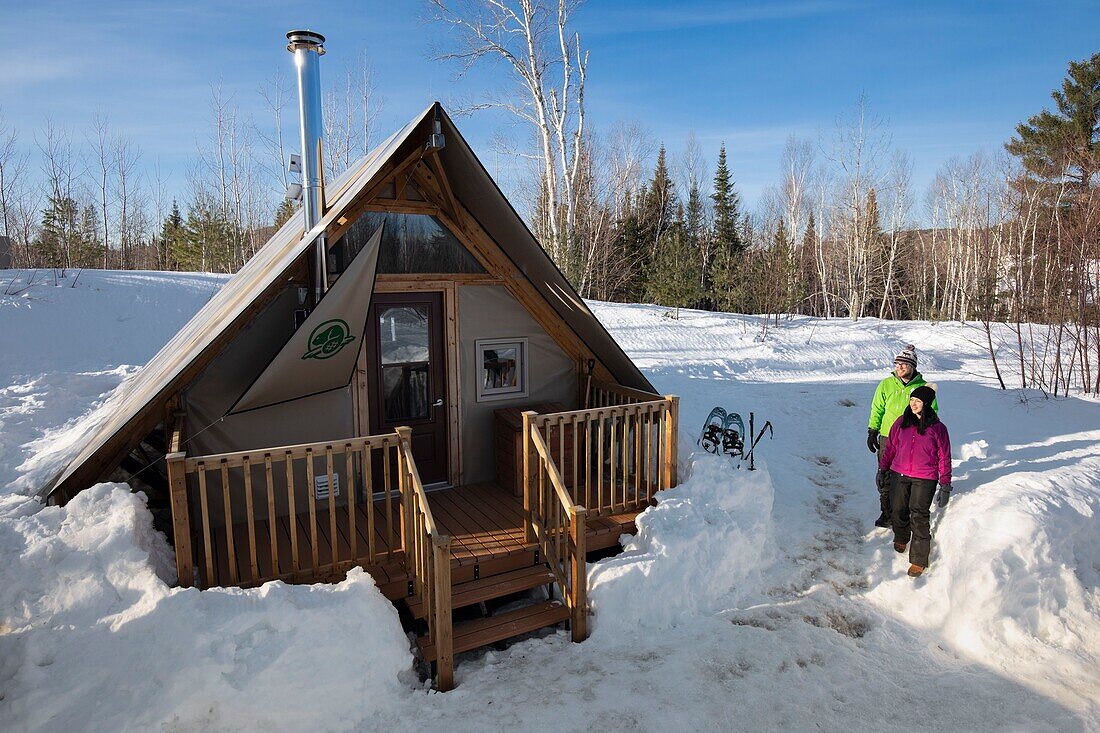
(915,571)
(883,521)
(899,547)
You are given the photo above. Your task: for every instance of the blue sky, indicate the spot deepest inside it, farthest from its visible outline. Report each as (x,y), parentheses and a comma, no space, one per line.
(948,78)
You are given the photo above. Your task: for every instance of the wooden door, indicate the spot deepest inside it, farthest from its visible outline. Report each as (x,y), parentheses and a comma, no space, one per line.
(408,375)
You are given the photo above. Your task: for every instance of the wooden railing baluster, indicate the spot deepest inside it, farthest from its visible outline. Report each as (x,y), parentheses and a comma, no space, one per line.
(311,491)
(234,577)
(351,500)
(599,461)
(271,528)
(204,502)
(292,516)
(576,460)
(253,564)
(368,490)
(388,497)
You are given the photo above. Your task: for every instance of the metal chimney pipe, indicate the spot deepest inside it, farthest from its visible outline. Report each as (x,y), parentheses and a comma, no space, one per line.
(308,47)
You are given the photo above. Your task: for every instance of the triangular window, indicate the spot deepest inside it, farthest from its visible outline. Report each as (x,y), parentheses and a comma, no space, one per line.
(411,243)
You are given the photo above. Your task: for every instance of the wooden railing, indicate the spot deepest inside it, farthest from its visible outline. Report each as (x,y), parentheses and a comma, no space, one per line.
(557,524)
(604,394)
(252,523)
(613,459)
(252,506)
(428,561)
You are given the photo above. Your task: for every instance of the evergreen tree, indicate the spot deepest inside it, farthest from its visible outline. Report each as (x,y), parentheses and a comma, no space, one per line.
(172,240)
(697,240)
(781,240)
(85,245)
(284,211)
(809,238)
(872,222)
(727,239)
(660,201)
(807,266)
(1065,142)
(205,237)
(653,215)
(727,209)
(58,232)
(677,283)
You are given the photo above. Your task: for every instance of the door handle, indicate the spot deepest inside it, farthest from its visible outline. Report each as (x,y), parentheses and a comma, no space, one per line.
(438,403)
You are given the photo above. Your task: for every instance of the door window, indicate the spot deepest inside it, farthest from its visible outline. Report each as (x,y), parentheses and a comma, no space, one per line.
(405,351)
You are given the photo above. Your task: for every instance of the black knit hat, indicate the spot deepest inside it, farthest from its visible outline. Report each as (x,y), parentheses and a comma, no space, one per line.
(925,393)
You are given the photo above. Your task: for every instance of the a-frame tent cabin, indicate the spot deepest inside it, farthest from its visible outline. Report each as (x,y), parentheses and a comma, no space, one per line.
(294,440)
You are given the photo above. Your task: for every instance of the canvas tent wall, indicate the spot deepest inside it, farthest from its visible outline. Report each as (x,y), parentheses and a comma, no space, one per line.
(487,312)
(504,243)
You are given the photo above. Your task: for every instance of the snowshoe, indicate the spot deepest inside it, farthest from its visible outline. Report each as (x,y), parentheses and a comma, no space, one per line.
(733,430)
(711,437)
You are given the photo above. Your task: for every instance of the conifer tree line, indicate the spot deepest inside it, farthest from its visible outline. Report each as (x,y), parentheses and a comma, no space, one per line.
(1008,242)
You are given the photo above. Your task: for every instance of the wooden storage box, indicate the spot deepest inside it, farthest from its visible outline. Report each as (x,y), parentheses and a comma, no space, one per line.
(508,424)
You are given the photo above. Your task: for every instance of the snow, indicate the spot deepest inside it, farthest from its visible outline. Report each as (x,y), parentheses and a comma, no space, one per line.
(758,600)
(703,546)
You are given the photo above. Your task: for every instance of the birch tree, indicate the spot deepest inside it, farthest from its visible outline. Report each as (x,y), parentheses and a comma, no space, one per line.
(533,42)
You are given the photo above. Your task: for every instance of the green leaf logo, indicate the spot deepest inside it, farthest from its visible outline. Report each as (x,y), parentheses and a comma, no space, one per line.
(328,339)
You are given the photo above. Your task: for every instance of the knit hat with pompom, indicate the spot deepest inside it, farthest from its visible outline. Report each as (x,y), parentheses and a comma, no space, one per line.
(907,355)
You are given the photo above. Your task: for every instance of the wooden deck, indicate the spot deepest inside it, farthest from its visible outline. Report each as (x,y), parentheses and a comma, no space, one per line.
(484,521)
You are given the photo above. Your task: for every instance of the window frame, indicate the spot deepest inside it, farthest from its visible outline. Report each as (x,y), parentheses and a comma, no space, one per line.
(520,343)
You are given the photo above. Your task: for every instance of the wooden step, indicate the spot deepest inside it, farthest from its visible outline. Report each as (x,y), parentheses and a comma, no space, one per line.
(472,634)
(486,589)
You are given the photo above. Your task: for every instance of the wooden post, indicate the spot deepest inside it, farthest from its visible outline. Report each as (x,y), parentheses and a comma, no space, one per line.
(579,572)
(404,473)
(672,429)
(525,436)
(181,518)
(441,597)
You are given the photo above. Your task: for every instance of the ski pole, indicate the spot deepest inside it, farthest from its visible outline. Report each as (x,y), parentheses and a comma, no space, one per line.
(752,432)
(752,448)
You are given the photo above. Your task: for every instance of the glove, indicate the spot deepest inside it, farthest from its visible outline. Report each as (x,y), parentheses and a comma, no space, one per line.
(882,478)
(872,440)
(943,495)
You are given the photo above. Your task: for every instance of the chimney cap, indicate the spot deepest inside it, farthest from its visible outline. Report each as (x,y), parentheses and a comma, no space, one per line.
(305,39)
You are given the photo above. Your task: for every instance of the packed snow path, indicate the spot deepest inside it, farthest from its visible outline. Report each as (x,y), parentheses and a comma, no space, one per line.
(763,601)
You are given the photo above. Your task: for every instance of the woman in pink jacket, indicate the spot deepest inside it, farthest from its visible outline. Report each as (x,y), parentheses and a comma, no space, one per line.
(918,455)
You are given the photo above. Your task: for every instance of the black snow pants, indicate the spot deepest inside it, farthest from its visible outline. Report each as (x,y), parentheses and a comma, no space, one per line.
(910,501)
(884,490)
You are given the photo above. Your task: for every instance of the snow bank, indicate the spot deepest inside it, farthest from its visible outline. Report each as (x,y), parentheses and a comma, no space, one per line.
(1015,576)
(70,339)
(703,547)
(91,637)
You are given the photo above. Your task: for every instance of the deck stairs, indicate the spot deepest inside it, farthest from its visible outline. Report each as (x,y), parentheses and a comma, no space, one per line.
(506,579)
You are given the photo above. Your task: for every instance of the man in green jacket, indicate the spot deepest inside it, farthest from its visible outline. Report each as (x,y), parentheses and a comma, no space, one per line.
(890,400)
